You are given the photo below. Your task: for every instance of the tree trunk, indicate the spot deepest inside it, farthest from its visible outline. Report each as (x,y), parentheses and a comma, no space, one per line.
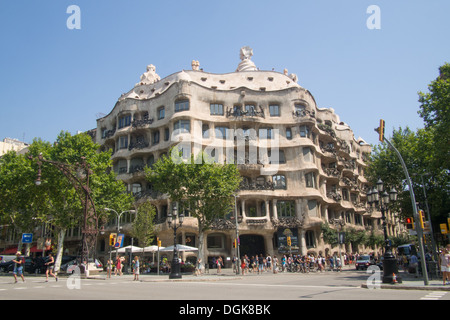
(201,252)
(60,250)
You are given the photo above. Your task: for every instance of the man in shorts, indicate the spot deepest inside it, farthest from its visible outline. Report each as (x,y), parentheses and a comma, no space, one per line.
(19,263)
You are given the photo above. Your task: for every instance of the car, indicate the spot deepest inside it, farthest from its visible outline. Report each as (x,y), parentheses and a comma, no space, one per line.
(9,266)
(363,262)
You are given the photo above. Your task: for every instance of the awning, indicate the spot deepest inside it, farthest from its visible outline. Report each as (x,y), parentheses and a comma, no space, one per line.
(35,249)
(11,250)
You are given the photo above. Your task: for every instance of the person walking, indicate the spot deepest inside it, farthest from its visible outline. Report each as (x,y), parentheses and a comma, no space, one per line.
(136,266)
(19,263)
(444,262)
(118,266)
(50,266)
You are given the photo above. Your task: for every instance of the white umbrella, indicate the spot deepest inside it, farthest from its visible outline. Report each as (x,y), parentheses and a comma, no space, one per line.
(129,248)
(180,247)
(152,249)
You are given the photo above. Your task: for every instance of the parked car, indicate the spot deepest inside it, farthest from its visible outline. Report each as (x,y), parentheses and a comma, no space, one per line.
(363,262)
(9,266)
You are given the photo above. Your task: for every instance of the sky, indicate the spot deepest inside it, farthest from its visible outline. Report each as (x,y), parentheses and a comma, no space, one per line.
(54,77)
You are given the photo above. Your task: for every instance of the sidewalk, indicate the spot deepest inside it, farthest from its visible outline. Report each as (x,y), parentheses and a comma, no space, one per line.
(410,282)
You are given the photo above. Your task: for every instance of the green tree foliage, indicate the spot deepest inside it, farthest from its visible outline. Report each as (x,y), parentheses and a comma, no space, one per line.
(56,200)
(205,187)
(143,224)
(426,153)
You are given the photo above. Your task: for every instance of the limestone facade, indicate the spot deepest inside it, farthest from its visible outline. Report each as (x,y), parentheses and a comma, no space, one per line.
(249,117)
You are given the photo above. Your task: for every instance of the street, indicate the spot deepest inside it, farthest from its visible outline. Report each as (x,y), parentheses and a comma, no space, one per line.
(345,285)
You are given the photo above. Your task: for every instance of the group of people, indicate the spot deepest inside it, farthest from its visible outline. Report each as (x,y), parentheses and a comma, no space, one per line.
(287,263)
(19,265)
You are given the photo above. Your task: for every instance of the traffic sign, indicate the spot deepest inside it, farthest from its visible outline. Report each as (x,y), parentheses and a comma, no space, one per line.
(27,237)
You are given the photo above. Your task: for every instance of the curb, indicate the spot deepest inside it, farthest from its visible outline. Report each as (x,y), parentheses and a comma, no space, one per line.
(407,287)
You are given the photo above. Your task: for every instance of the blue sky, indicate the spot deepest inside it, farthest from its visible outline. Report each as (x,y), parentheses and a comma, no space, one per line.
(53,78)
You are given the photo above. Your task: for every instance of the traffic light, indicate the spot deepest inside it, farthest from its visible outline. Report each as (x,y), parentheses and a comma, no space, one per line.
(235,243)
(381,131)
(112,239)
(158,242)
(289,241)
(421,218)
(409,221)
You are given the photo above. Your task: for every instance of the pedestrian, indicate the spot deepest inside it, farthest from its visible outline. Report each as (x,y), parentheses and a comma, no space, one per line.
(269,262)
(198,267)
(414,265)
(19,263)
(109,267)
(243,265)
(219,264)
(135,266)
(275,264)
(50,267)
(118,266)
(260,263)
(444,262)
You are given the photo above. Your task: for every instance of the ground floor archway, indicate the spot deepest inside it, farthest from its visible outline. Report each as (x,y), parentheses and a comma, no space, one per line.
(252,245)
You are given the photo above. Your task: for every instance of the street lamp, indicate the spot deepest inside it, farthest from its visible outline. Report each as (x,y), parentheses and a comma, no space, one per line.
(78,175)
(172,218)
(390,267)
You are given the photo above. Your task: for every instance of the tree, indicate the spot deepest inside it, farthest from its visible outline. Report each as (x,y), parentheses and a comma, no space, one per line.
(143,226)
(56,201)
(205,187)
(426,153)
(435,111)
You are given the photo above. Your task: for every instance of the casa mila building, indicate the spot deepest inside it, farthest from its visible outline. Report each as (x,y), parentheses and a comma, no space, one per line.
(300,165)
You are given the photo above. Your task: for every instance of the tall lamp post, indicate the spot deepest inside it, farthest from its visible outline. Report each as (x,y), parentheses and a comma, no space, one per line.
(390,267)
(175,272)
(78,174)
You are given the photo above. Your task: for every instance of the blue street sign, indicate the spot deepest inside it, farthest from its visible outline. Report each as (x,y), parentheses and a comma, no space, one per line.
(27,237)
(119,241)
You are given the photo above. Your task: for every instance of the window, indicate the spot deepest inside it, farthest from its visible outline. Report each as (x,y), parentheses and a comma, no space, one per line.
(166,134)
(310,179)
(250,109)
(136,188)
(300,110)
(124,121)
(205,131)
(181,105)
(288,133)
(274,110)
(281,157)
(221,132)
(266,133)
(260,181)
(216,241)
(123,142)
(151,161)
(310,239)
(155,137)
(216,109)
(286,209)
(279,181)
(184,126)
(161,113)
(312,208)
(307,155)
(305,132)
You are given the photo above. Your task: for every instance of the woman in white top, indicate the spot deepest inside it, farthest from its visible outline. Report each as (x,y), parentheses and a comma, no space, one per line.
(444,261)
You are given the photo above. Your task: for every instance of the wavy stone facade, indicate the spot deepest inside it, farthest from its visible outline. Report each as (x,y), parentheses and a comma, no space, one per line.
(301,166)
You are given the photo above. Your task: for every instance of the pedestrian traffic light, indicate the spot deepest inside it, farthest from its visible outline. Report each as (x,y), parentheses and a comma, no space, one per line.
(381,130)
(409,221)
(112,239)
(289,241)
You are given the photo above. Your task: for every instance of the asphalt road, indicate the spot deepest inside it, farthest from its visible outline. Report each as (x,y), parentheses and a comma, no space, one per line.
(267,287)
